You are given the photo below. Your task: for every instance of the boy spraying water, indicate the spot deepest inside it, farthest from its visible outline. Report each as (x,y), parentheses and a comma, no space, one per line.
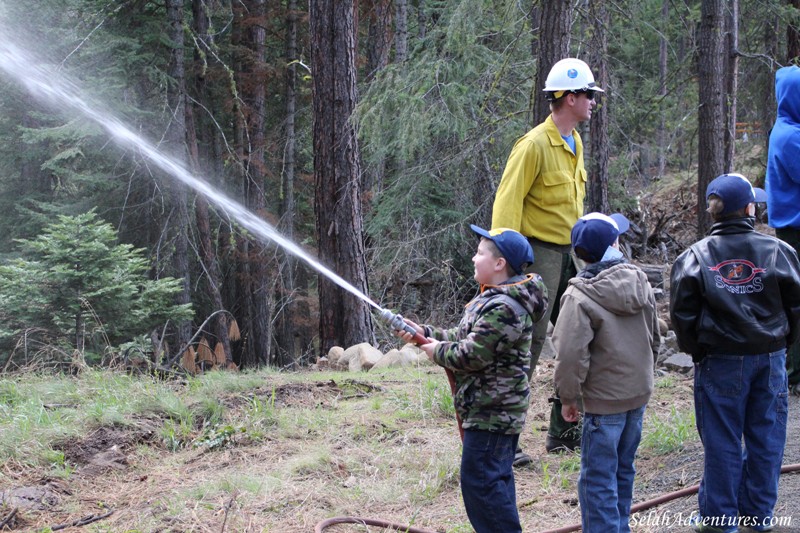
(488,354)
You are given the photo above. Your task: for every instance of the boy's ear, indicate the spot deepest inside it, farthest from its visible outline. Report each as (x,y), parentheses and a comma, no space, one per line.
(501,264)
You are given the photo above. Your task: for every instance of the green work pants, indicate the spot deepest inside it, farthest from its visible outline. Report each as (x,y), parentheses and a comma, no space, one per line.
(556,266)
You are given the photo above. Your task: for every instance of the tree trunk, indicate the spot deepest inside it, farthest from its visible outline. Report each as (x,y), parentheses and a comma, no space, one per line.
(731,82)
(175,141)
(378,47)
(768,105)
(793,38)
(344,319)
(30,170)
(249,16)
(401,31)
(422,19)
(379,37)
(207,250)
(598,127)
(711,117)
(289,331)
(662,88)
(80,327)
(555,23)
(534,19)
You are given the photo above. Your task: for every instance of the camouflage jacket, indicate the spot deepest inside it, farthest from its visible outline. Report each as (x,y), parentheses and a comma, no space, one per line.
(488,353)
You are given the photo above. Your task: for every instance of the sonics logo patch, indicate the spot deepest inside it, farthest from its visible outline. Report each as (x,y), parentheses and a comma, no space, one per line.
(738,276)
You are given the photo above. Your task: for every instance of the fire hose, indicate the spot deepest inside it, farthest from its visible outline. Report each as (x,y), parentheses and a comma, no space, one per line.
(642,506)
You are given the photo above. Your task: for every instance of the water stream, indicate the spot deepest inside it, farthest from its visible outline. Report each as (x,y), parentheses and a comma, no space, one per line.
(47,84)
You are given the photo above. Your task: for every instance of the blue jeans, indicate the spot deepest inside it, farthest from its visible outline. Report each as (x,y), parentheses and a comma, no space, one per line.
(739,397)
(605,484)
(487,481)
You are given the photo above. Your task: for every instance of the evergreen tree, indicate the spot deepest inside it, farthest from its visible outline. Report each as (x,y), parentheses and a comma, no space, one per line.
(76,286)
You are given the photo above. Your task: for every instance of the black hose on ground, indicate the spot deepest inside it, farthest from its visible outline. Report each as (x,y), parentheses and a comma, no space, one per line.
(664,498)
(367,522)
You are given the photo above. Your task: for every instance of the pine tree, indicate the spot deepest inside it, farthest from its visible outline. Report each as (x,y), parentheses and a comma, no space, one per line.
(76,286)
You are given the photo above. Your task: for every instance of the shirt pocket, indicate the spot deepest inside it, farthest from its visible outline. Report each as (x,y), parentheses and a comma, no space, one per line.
(582,177)
(558,187)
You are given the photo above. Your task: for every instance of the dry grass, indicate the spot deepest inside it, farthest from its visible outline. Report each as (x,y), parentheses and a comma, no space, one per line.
(304,447)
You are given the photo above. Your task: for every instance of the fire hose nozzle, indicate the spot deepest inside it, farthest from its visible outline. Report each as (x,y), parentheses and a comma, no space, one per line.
(397,322)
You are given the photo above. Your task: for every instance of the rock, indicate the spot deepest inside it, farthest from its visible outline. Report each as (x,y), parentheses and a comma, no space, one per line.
(663,328)
(395,358)
(419,356)
(670,341)
(408,355)
(679,362)
(655,274)
(31,497)
(548,350)
(334,357)
(664,353)
(111,459)
(390,359)
(361,357)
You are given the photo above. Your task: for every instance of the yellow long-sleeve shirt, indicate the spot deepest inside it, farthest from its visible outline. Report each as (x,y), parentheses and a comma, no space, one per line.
(543,186)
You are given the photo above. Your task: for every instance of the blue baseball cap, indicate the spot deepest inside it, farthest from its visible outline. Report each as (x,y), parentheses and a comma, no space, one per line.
(512,244)
(736,192)
(593,233)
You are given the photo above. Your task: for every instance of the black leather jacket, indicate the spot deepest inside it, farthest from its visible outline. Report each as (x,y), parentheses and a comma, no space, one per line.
(736,292)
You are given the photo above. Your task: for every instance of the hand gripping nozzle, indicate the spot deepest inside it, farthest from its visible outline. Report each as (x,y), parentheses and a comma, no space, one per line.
(398,323)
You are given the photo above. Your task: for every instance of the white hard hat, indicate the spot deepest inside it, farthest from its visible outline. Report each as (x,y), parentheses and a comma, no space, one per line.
(570,74)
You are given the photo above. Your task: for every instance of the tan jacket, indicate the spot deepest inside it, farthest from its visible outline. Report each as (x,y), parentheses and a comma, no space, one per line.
(606,339)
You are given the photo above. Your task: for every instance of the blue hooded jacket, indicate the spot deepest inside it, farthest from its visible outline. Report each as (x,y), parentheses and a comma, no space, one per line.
(783,160)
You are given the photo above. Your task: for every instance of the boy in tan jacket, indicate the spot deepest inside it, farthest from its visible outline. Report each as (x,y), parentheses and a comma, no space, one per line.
(606,339)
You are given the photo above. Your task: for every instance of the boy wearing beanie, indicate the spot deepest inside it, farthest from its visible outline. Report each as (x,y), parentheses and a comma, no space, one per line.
(606,339)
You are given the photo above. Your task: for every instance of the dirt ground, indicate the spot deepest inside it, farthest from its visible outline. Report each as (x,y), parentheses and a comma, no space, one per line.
(686,468)
(121,473)
(660,475)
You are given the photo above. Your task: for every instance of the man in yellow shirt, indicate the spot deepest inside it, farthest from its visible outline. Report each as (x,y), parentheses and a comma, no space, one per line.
(541,195)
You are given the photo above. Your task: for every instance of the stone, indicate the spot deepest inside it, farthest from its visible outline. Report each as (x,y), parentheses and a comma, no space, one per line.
(655,274)
(679,362)
(334,356)
(391,359)
(360,357)
(548,350)
(670,341)
(31,497)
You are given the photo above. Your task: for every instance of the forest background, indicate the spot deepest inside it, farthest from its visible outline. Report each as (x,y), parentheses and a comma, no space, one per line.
(369,132)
